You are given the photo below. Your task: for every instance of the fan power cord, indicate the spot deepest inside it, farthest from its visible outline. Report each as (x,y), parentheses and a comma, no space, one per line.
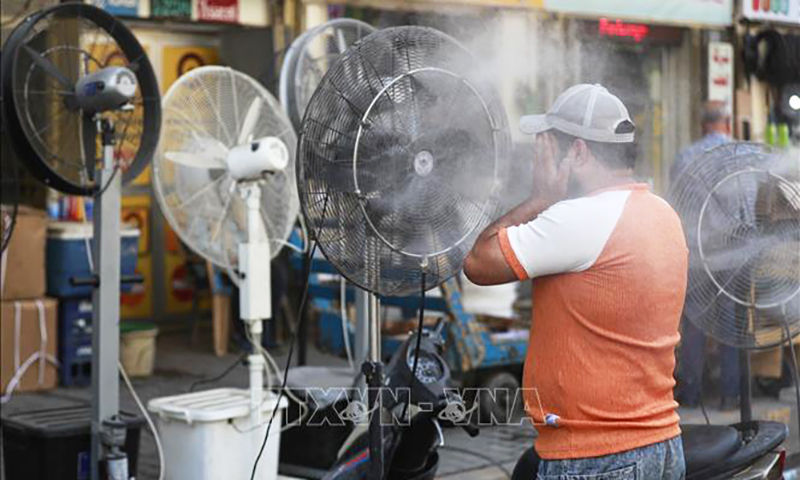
(270,366)
(257,350)
(304,234)
(343,314)
(703,408)
(281,392)
(161,464)
(105,187)
(219,377)
(417,347)
(794,372)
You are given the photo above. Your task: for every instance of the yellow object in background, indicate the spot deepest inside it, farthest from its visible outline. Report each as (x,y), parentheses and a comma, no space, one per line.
(143,178)
(179,280)
(138,303)
(180,60)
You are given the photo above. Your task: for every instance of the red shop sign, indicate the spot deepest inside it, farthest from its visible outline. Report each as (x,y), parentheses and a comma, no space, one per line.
(218,11)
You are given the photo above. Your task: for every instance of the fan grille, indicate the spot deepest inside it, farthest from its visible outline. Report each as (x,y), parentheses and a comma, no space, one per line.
(46,56)
(206,110)
(9,196)
(740,204)
(403,153)
(319,52)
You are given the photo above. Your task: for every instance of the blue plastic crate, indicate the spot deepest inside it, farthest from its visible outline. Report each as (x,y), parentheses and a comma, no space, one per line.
(67,257)
(75,341)
(77,373)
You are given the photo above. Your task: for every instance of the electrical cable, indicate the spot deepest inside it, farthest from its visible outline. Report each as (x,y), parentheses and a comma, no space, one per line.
(345,323)
(303,300)
(219,377)
(703,409)
(480,455)
(417,347)
(99,193)
(159,447)
(256,346)
(17,378)
(393,450)
(271,364)
(303,234)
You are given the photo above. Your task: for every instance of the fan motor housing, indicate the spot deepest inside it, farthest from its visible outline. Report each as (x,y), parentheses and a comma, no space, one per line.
(252,160)
(111,88)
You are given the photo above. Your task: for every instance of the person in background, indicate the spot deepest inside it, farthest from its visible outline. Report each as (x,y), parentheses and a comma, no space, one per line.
(608,260)
(716,124)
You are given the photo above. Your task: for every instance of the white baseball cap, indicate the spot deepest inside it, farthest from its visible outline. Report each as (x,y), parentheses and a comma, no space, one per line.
(585,111)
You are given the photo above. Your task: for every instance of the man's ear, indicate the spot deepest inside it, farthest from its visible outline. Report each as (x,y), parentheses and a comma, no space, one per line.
(581,153)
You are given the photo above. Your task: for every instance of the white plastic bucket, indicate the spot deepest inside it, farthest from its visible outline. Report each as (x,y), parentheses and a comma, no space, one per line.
(208,436)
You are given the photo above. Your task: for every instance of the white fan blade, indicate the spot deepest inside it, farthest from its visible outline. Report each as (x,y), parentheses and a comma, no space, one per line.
(250,120)
(210,146)
(196,160)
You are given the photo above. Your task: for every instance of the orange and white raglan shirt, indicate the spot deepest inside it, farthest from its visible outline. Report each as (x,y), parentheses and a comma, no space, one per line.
(610,272)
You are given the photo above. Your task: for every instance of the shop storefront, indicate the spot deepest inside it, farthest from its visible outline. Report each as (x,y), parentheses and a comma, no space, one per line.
(650,53)
(654,70)
(768,95)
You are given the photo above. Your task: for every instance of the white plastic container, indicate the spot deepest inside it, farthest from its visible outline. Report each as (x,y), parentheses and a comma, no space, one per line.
(209,436)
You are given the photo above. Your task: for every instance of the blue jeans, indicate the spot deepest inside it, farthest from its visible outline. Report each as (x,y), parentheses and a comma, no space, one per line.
(659,461)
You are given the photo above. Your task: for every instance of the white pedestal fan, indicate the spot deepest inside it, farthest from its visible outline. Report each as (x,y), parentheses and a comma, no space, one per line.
(310,56)
(224,178)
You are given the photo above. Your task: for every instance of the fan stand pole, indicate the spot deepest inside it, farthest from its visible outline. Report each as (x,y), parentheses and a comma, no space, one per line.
(105,332)
(255,299)
(745,388)
(373,370)
(745,382)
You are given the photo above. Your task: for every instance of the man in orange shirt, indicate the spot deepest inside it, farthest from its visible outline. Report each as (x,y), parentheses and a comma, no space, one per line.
(609,263)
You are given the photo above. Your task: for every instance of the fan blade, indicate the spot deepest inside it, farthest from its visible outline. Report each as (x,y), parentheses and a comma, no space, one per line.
(48,67)
(196,160)
(250,121)
(210,146)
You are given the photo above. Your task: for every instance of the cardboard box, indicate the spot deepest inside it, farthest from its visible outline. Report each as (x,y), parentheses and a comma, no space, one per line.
(25,269)
(21,339)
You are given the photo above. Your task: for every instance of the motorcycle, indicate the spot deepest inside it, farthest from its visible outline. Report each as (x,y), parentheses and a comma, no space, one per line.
(744,451)
(411,442)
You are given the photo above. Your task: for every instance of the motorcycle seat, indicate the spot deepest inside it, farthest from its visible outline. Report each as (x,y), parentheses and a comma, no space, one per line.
(705,445)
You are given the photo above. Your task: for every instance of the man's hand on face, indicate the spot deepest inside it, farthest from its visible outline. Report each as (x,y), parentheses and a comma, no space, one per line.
(549,176)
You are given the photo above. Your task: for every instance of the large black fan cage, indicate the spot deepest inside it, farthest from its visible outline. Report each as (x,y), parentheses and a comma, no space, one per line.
(402,157)
(43,60)
(740,206)
(9,198)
